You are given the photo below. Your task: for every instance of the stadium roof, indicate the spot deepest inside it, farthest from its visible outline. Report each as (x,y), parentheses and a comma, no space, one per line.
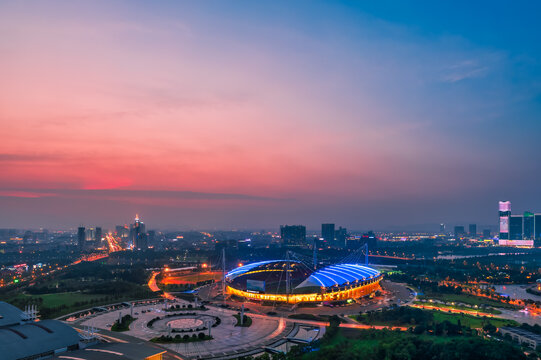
(338,275)
(35,338)
(244,269)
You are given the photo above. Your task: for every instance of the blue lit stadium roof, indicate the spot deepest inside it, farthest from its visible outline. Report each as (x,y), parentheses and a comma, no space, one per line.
(338,275)
(244,269)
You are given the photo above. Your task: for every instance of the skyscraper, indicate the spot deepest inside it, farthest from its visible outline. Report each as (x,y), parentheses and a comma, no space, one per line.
(528,230)
(90,234)
(81,237)
(442,228)
(472,230)
(459,231)
(138,236)
(293,235)
(98,235)
(327,233)
(151,238)
(516,227)
(505,213)
(341,235)
(537,229)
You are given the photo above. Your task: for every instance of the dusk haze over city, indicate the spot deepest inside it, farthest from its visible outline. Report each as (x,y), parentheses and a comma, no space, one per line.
(246,114)
(264,180)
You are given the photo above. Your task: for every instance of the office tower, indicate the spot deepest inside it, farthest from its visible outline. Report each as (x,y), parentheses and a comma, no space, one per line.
(327,233)
(341,235)
(516,227)
(293,235)
(442,228)
(459,231)
(81,237)
(151,237)
(98,235)
(486,234)
(528,231)
(505,213)
(90,234)
(138,236)
(472,230)
(537,229)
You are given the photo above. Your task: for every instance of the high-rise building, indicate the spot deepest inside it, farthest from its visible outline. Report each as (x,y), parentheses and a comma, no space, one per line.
(151,237)
(327,233)
(138,236)
(90,234)
(459,231)
(486,234)
(516,227)
(528,230)
(537,229)
(340,236)
(81,237)
(472,230)
(98,235)
(442,228)
(505,213)
(293,235)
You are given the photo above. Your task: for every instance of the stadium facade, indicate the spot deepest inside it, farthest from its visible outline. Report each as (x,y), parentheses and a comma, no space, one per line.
(290,281)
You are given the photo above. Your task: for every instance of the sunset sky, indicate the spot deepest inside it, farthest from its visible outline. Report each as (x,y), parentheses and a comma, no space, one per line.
(252,114)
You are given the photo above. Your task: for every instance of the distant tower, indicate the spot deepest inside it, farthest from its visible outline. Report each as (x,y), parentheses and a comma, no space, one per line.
(529,226)
(442,228)
(81,237)
(327,233)
(472,230)
(138,236)
(505,213)
(293,235)
(98,235)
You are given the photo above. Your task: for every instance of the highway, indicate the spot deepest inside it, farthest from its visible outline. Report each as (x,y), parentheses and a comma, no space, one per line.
(113,243)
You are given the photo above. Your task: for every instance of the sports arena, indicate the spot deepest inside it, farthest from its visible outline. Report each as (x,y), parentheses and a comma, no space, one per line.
(291,281)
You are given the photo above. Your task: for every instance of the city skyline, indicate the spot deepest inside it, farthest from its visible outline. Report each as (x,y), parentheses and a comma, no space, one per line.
(212,115)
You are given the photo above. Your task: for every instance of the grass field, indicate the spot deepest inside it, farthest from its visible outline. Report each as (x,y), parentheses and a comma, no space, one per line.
(57,304)
(474,322)
(467,299)
(458,307)
(54,300)
(386,344)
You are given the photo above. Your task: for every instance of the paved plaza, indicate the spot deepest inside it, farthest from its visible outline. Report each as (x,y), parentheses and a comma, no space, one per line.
(228,339)
(278,332)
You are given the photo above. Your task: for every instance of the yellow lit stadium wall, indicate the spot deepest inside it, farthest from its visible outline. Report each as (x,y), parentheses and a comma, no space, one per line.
(326,295)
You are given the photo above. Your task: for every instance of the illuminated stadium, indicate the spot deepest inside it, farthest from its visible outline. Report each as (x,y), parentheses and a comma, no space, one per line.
(291,281)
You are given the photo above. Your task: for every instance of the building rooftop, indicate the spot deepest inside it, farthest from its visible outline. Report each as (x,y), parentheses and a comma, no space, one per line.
(9,314)
(33,338)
